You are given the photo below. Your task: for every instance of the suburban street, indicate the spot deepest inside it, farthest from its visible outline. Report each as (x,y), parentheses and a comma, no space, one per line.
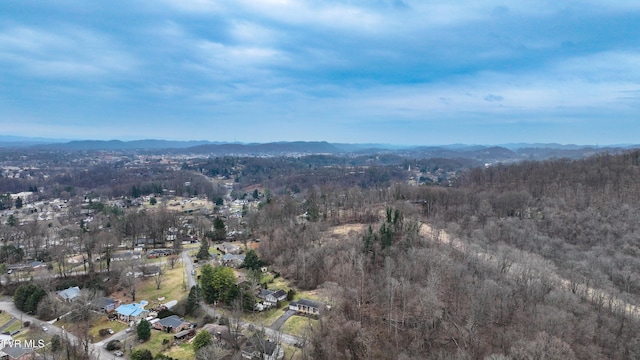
(272,333)
(188,268)
(96,350)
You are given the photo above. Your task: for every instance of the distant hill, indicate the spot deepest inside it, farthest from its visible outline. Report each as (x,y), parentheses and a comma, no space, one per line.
(302,147)
(512,152)
(114,145)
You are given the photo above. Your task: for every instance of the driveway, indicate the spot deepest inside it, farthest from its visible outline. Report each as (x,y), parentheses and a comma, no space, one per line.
(282,319)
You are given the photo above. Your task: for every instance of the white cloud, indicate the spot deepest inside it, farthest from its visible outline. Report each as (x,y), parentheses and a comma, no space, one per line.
(69,52)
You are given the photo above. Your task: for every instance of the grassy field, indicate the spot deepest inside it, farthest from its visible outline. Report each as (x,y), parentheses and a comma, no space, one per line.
(298,325)
(183,351)
(291,352)
(154,344)
(104,323)
(171,287)
(264,318)
(17,325)
(4,318)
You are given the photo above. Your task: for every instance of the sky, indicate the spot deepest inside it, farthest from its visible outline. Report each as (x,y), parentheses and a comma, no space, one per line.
(356,71)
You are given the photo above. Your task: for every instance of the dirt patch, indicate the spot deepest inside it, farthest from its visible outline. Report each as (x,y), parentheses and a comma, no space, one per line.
(346,229)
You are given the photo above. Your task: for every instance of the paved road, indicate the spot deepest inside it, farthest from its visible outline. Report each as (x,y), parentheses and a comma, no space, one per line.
(96,351)
(272,333)
(188,268)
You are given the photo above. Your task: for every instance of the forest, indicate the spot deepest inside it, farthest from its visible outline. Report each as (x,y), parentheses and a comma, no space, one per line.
(535,260)
(528,260)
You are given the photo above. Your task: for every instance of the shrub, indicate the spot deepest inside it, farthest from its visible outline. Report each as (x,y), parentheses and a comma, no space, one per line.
(207,319)
(165,313)
(103,332)
(114,345)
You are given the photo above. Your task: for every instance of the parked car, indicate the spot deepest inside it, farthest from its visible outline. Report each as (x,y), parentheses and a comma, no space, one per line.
(110,331)
(129,329)
(44,328)
(118,353)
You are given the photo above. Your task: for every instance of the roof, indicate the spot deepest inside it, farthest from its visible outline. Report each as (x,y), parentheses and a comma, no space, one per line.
(279,293)
(16,350)
(103,302)
(132,309)
(231,257)
(171,321)
(182,333)
(70,293)
(170,304)
(264,293)
(310,303)
(267,347)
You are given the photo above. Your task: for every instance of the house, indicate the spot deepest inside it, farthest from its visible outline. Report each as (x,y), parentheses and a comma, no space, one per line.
(150,270)
(16,352)
(276,296)
(228,248)
(224,334)
(306,306)
(69,294)
(132,312)
(105,304)
(264,293)
(258,348)
(232,260)
(172,324)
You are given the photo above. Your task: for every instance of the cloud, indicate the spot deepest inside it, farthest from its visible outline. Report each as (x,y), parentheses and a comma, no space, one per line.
(66,52)
(491,97)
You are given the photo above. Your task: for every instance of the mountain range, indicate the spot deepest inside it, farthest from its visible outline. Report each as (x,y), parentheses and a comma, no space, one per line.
(485,153)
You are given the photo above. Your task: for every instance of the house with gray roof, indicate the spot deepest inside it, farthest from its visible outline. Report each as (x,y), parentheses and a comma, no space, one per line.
(306,306)
(172,323)
(69,294)
(16,352)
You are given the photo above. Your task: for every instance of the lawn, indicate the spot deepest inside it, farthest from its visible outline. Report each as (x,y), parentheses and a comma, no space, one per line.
(298,325)
(183,351)
(171,287)
(154,344)
(291,352)
(265,318)
(17,325)
(274,283)
(104,323)
(4,318)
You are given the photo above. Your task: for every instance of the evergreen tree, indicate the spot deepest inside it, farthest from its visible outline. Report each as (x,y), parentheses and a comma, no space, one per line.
(251,260)
(203,253)
(220,231)
(144,331)
(193,301)
(141,354)
(19,203)
(202,339)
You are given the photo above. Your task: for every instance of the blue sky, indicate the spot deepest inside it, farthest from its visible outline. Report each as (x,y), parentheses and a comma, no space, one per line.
(360,71)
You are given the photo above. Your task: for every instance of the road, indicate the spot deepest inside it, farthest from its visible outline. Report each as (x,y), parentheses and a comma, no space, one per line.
(273,334)
(188,268)
(97,352)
